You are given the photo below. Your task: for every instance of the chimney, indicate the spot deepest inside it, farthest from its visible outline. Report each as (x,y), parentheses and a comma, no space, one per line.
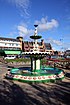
(42,42)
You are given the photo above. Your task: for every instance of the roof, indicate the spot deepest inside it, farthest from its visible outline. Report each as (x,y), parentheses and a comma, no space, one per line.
(47,44)
(67,51)
(11,39)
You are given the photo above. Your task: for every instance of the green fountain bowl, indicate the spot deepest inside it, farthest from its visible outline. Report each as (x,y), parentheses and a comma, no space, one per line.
(35,37)
(45,74)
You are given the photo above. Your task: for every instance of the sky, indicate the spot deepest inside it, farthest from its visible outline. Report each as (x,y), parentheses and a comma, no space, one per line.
(17,18)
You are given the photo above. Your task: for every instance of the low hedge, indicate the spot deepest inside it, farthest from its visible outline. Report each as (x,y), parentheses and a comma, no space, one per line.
(18,60)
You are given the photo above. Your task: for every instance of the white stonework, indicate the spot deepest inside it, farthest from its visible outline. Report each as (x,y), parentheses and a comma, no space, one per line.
(38,64)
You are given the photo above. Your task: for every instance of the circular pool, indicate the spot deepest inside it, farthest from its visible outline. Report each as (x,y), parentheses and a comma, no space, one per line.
(45,74)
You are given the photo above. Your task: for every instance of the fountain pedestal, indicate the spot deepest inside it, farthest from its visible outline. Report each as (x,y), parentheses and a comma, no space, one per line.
(35,61)
(35,64)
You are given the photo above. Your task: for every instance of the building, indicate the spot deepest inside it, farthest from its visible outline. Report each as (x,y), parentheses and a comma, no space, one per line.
(10,46)
(48,48)
(43,47)
(67,52)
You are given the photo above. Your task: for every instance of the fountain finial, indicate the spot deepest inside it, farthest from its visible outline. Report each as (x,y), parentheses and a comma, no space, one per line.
(36,25)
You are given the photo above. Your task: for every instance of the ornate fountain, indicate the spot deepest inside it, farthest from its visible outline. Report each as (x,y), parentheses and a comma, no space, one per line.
(36,73)
(35,55)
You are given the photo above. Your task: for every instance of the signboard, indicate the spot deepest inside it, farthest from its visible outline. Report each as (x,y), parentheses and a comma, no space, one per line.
(12,52)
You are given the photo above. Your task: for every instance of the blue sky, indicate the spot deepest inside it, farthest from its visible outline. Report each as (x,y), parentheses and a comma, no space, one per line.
(17,18)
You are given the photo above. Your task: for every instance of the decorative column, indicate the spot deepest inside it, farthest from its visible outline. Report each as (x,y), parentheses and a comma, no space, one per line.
(35,64)
(38,64)
(35,59)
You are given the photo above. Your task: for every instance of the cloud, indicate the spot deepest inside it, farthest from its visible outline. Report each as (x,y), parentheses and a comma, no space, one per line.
(23,31)
(66,46)
(69,48)
(22,5)
(56,42)
(44,24)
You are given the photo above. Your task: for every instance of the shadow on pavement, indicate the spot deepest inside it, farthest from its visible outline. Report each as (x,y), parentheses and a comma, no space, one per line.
(67,75)
(34,94)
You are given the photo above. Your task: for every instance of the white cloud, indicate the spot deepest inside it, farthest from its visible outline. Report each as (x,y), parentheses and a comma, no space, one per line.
(66,46)
(58,45)
(56,42)
(23,31)
(69,48)
(44,24)
(22,5)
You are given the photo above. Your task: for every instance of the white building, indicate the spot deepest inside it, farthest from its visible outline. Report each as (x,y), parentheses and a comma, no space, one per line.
(10,46)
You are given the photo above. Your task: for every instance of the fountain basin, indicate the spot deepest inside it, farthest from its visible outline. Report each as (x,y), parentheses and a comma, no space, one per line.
(46,74)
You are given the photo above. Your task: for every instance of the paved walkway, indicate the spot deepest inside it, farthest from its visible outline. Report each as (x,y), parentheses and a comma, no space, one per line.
(17,93)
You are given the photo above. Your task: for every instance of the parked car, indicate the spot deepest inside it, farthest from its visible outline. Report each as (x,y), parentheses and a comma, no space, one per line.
(54,57)
(68,56)
(10,57)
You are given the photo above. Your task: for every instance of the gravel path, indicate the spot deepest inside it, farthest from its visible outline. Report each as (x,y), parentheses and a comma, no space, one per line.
(17,93)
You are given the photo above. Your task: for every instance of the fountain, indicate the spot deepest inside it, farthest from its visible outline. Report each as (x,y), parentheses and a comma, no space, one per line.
(35,73)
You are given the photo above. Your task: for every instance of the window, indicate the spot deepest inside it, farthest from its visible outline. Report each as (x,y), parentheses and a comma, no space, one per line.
(16,44)
(12,44)
(5,43)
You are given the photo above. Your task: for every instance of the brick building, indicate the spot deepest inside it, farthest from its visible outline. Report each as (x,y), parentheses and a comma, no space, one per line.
(43,47)
(11,46)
